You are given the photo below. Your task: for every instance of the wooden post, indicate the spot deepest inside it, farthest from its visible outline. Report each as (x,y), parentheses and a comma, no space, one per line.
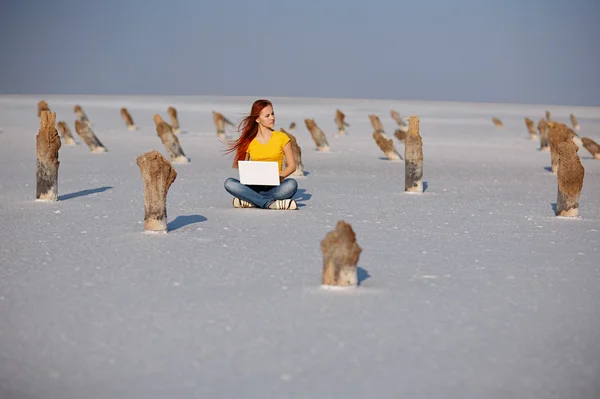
(570,180)
(81,115)
(170,141)
(401,122)
(558,133)
(128,119)
(413,157)
(592,147)
(65,132)
(157,175)
(297,152)
(543,128)
(387,146)
(88,136)
(47,146)
(340,256)
(548,116)
(317,135)
(574,122)
(339,121)
(400,134)
(174,119)
(531,128)
(376,122)
(41,107)
(497,122)
(220,121)
(292,127)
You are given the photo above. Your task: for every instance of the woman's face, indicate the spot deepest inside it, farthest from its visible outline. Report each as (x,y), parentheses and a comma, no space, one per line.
(266,117)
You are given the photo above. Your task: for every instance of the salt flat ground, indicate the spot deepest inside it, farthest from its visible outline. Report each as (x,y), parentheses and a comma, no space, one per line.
(473,289)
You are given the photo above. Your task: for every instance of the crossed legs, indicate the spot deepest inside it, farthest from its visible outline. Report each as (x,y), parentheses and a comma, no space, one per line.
(261,196)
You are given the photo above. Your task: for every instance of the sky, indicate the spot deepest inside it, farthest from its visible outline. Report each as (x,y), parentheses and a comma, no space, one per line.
(515,51)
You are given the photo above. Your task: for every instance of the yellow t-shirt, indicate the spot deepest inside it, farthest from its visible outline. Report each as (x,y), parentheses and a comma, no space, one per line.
(272,151)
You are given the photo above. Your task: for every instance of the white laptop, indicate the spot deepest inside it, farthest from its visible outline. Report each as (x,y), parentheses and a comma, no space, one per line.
(259,173)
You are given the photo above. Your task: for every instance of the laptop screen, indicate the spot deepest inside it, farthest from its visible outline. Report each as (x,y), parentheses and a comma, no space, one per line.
(259,173)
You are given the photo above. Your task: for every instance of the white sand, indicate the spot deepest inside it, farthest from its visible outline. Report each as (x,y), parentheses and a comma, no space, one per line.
(228,304)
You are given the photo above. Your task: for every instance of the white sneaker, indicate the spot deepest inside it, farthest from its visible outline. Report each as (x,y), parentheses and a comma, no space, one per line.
(239,203)
(284,205)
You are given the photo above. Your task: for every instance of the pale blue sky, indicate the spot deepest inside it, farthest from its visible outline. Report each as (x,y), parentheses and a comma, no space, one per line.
(529,51)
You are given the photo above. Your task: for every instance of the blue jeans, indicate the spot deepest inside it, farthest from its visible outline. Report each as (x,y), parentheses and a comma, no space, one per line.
(261,196)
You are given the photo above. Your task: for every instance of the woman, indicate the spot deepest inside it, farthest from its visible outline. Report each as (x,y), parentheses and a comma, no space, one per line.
(259,142)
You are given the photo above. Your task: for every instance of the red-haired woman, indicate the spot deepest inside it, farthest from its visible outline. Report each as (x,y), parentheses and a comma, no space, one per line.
(259,142)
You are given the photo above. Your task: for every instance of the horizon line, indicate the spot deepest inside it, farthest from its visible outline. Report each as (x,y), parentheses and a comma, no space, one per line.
(300,97)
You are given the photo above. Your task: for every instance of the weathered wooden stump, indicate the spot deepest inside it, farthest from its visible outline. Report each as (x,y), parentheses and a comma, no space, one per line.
(169,140)
(387,146)
(531,128)
(81,115)
(157,175)
(128,119)
(558,133)
(413,157)
(376,123)
(41,107)
(47,144)
(297,152)
(174,119)
(220,121)
(570,180)
(88,136)
(340,121)
(497,122)
(340,257)
(592,147)
(317,135)
(574,122)
(65,132)
(543,129)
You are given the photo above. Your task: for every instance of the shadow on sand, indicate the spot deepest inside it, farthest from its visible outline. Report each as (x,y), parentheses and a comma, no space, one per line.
(302,195)
(182,221)
(389,160)
(361,275)
(83,193)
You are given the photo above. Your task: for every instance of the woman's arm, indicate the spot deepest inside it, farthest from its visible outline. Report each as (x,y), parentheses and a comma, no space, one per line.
(290,161)
(247,157)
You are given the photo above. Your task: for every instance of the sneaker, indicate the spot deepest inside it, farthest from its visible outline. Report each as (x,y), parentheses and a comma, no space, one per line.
(239,203)
(284,205)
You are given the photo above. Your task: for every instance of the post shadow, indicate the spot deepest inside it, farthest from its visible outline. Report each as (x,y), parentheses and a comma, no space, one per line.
(361,275)
(83,193)
(181,221)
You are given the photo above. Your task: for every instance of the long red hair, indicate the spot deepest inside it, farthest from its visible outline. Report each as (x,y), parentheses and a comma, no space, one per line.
(248,129)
